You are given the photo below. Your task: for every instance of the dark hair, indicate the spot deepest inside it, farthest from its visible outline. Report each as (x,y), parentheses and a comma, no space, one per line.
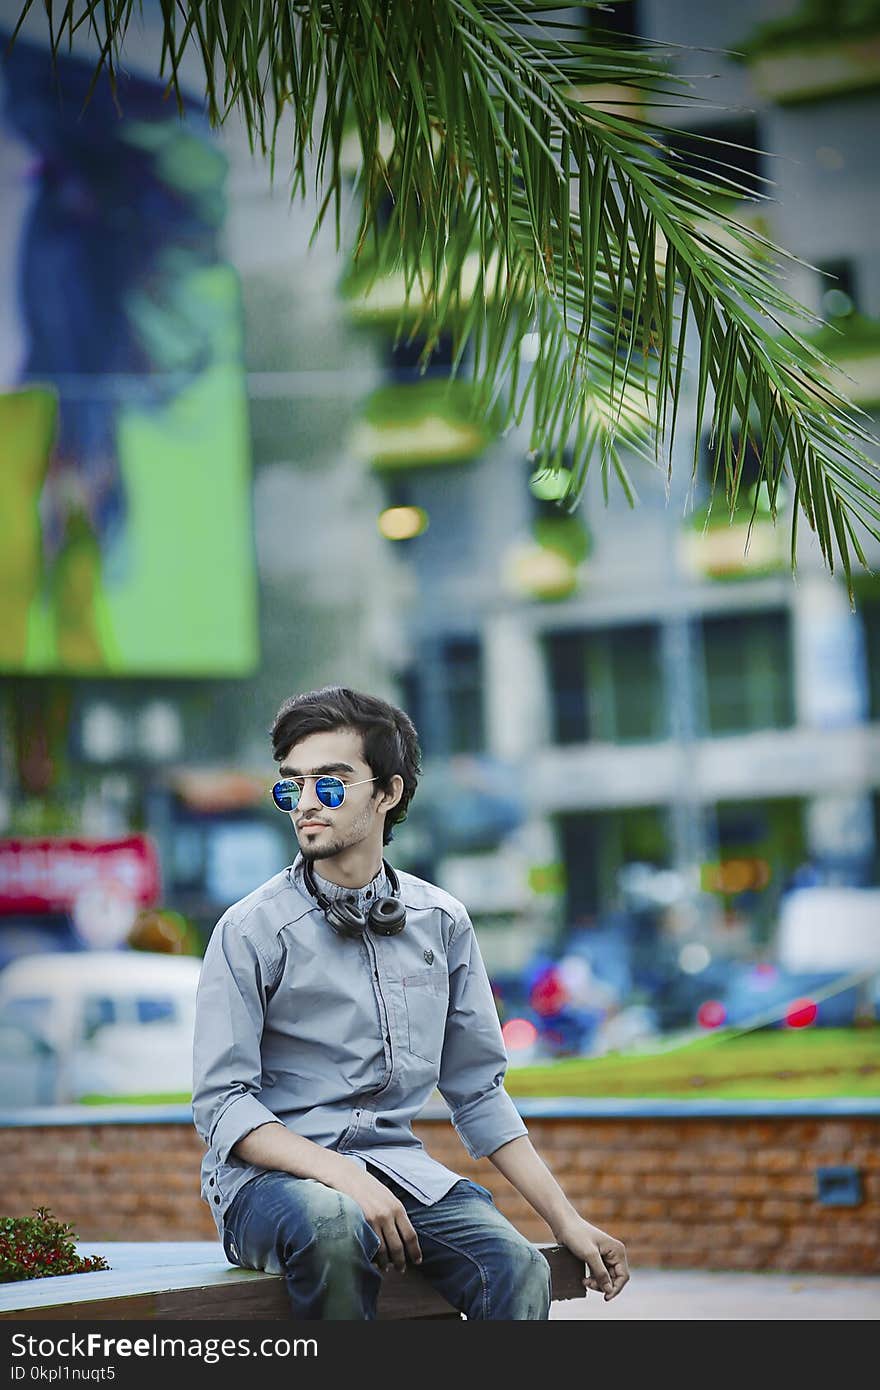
(391,744)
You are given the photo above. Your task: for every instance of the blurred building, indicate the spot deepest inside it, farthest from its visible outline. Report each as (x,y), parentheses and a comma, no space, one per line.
(686,728)
(620,713)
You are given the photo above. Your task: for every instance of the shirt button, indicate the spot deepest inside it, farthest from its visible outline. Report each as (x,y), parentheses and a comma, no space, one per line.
(217,1200)
(387,1037)
(375,974)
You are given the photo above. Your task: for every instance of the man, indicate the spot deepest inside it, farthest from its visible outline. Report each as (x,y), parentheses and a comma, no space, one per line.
(332,1001)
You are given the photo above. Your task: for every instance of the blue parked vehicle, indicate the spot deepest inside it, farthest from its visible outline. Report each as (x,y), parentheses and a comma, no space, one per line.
(788,998)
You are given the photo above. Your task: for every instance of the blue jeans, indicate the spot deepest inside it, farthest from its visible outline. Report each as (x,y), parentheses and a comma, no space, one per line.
(320,1241)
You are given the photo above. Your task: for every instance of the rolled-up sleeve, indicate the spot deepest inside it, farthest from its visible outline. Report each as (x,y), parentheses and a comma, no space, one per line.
(474,1058)
(230,1011)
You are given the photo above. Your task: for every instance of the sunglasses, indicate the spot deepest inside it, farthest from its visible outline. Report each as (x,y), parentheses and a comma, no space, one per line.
(330,791)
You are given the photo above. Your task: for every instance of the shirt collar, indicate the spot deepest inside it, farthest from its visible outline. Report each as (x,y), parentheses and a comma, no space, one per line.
(378,887)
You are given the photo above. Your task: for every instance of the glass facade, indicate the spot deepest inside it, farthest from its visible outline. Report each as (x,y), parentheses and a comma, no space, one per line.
(596,845)
(747,666)
(871,628)
(760,845)
(443,694)
(606,684)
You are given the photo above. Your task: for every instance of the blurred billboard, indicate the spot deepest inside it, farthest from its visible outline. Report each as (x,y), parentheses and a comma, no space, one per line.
(126,539)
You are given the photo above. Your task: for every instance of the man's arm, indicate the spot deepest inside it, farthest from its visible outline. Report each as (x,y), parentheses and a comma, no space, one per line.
(472,1073)
(474,1059)
(227,1066)
(604,1256)
(276,1146)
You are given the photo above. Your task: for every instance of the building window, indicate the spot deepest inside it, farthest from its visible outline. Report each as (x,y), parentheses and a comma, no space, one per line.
(713,464)
(725,152)
(596,845)
(443,695)
(614,24)
(760,847)
(748,672)
(410,700)
(462,661)
(838,293)
(871,629)
(404,357)
(606,685)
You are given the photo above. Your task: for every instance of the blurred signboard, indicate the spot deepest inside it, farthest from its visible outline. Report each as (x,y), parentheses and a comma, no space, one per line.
(53,874)
(126,540)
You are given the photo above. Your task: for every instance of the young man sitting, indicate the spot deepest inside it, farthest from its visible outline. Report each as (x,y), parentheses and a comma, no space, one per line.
(332,1001)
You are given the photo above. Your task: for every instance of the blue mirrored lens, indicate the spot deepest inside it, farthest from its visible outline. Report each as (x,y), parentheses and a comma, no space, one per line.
(286,795)
(330,791)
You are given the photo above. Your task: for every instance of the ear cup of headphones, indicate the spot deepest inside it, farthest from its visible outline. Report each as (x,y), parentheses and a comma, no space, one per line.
(387,916)
(345,917)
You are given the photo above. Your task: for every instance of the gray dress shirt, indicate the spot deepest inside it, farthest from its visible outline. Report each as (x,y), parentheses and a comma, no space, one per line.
(344,1041)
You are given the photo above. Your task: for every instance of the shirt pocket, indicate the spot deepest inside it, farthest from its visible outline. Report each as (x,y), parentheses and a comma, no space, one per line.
(426,995)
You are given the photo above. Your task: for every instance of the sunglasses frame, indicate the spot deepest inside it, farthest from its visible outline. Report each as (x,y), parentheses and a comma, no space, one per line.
(317,777)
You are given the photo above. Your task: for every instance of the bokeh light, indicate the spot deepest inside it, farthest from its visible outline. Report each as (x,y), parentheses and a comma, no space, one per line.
(519,1034)
(711,1013)
(403,523)
(694,957)
(802,1013)
(548,995)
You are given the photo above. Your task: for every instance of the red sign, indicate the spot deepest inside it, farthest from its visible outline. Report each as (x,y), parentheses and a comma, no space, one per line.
(50,875)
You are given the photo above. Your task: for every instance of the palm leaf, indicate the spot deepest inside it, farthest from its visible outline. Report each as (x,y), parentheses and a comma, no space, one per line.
(497,148)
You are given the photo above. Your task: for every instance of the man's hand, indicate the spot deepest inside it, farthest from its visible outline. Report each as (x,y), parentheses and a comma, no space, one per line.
(604,1256)
(386,1214)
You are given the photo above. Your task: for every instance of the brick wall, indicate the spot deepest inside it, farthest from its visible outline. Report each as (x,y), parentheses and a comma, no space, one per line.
(731,1192)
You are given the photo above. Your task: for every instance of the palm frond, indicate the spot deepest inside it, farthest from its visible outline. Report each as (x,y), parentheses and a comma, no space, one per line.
(592,241)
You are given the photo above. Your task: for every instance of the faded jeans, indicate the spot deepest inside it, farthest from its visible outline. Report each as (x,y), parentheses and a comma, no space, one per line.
(320,1241)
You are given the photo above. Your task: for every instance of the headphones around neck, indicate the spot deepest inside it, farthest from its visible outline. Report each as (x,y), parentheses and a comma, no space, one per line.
(387,916)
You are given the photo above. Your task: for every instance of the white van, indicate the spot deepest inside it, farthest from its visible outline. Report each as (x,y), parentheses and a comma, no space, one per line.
(90,1025)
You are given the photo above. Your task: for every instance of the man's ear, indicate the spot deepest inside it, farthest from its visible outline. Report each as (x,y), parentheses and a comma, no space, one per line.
(388,800)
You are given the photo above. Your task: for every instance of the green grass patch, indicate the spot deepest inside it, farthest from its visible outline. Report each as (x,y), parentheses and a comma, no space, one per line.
(764,1065)
(768,1064)
(158,1098)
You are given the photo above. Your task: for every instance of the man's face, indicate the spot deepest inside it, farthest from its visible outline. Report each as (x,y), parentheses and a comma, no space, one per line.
(323,831)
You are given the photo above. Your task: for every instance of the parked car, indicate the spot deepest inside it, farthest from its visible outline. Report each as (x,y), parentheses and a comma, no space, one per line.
(28,1069)
(102,1024)
(765,991)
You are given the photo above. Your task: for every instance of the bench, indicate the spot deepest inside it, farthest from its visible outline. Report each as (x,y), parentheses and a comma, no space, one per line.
(193,1279)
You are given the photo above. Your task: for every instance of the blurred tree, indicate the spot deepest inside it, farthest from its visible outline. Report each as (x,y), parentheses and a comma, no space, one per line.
(516,140)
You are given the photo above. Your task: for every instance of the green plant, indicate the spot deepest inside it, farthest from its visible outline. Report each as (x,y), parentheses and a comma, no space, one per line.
(34,1247)
(855,335)
(815,22)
